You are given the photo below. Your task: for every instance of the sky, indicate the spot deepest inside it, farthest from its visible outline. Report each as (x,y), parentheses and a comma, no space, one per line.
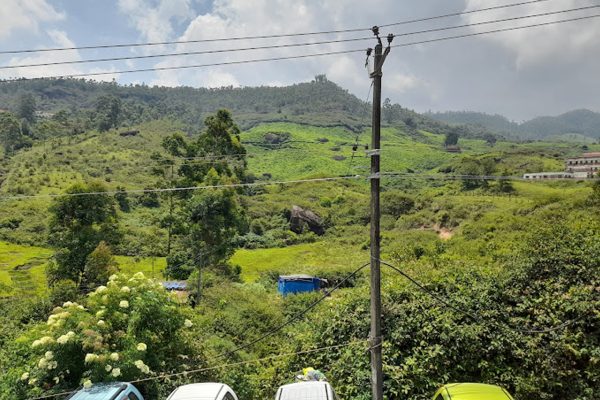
(520,74)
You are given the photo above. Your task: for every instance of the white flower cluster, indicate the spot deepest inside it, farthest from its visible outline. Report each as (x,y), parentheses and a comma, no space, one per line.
(142,347)
(73,304)
(125,289)
(87,384)
(116,372)
(101,289)
(65,338)
(47,361)
(188,323)
(142,367)
(124,304)
(58,319)
(91,357)
(43,341)
(114,356)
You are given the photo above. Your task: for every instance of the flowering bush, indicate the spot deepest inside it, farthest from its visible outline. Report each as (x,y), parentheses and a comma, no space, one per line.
(130,329)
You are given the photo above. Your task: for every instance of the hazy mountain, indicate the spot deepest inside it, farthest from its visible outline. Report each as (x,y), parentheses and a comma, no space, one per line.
(580,125)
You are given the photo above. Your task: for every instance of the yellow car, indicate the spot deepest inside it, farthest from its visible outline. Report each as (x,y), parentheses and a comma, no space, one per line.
(471,391)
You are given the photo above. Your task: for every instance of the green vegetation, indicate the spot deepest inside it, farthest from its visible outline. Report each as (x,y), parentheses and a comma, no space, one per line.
(514,255)
(577,126)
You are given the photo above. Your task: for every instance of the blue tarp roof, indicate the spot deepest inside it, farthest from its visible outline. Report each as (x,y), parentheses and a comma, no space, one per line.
(288,284)
(175,285)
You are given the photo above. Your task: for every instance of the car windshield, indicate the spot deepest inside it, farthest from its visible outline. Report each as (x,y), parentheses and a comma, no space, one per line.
(304,392)
(99,392)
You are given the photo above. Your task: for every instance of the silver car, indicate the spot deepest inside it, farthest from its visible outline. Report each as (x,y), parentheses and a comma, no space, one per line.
(203,391)
(313,390)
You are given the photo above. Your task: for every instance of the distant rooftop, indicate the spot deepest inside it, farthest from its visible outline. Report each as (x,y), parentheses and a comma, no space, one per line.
(175,285)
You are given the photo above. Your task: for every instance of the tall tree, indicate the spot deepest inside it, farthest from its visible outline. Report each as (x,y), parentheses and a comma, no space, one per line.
(79,223)
(208,220)
(108,112)
(26,107)
(451,139)
(11,137)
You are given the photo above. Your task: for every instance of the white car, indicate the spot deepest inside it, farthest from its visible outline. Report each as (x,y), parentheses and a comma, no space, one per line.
(313,390)
(203,391)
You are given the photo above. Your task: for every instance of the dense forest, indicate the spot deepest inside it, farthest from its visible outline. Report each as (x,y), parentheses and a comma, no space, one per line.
(107,191)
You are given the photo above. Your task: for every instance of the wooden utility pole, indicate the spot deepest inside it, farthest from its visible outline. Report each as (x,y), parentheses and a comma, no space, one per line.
(376,340)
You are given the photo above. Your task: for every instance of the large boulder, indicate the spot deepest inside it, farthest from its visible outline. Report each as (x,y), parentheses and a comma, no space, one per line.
(301,219)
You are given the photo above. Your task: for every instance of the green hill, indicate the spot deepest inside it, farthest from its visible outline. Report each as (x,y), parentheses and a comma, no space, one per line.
(579,126)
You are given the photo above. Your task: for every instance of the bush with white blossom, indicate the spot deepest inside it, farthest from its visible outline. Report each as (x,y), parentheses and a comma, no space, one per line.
(129,329)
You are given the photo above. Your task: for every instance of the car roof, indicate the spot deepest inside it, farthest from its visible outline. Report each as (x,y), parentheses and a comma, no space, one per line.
(99,391)
(198,391)
(474,391)
(314,390)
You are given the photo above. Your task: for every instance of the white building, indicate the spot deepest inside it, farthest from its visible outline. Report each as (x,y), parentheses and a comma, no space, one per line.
(585,166)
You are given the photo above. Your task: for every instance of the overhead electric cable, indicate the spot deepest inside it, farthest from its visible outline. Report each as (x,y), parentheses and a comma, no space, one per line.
(176,189)
(459,13)
(479,177)
(273,36)
(516,28)
(495,21)
(188,53)
(197,370)
(330,53)
(436,296)
(296,316)
(289,45)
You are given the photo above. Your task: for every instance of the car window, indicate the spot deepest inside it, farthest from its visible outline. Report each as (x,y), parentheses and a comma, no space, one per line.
(132,396)
(229,396)
(439,397)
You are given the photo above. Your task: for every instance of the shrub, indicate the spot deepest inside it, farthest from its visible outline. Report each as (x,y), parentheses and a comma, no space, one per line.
(396,204)
(130,329)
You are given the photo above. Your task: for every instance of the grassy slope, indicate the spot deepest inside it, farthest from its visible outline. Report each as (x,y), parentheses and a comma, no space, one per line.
(124,161)
(22,267)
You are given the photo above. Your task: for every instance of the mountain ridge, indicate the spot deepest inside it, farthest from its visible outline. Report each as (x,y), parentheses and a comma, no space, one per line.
(582,124)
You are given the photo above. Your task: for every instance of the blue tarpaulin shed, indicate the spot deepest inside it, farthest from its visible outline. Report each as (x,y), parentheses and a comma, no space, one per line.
(175,285)
(289,284)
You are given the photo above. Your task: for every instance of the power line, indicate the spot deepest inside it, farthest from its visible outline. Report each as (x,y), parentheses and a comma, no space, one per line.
(457,14)
(355,145)
(474,317)
(562,21)
(288,182)
(479,177)
(337,346)
(187,53)
(350,30)
(189,188)
(289,45)
(197,370)
(270,333)
(154,69)
(329,53)
(296,316)
(495,21)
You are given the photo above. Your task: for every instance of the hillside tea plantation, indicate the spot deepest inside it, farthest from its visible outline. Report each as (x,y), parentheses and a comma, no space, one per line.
(119,189)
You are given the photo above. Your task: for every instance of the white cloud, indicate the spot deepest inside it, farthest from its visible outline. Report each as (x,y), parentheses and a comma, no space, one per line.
(59,39)
(535,46)
(153,20)
(248,18)
(25,15)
